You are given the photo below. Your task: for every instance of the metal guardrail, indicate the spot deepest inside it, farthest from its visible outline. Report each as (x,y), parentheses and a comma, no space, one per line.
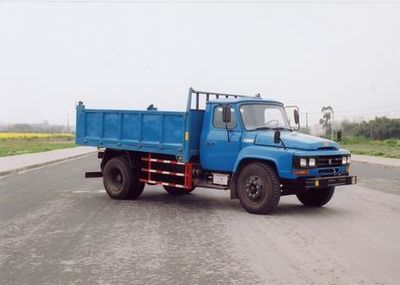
(215,94)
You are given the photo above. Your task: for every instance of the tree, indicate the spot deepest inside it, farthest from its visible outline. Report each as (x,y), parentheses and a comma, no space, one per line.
(326,120)
(379,128)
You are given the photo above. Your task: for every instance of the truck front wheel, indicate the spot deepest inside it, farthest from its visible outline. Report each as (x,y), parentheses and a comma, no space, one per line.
(317,197)
(258,188)
(120,180)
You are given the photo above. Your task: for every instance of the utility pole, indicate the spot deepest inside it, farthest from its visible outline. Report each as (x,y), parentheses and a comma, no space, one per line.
(332,120)
(67,123)
(306,121)
(371,130)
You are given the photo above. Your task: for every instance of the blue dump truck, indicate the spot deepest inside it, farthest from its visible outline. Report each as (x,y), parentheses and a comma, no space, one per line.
(244,144)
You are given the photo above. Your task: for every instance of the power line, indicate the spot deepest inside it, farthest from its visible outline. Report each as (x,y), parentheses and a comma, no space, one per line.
(351,115)
(395,106)
(272,2)
(391,108)
(383,113)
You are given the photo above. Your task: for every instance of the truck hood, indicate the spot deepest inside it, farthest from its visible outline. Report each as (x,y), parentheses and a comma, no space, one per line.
(295,140)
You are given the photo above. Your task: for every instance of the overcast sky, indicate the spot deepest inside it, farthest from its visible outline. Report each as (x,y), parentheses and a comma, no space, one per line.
(128,55)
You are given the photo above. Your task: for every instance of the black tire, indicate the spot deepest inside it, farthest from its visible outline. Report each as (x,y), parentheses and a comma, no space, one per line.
(316,197)
(120,180)
(258,188)
(177,191)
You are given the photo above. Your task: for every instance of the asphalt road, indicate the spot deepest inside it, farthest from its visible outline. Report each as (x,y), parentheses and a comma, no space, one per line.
(58,228)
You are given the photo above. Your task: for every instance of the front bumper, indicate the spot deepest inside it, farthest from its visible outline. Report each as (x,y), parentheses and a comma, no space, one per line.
(324,182)
(318,182)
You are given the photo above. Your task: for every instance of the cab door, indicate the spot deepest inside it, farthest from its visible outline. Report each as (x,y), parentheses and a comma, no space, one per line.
(217,151)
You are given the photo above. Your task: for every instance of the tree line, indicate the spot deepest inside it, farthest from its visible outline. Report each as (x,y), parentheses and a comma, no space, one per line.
(35,128)
(380,128)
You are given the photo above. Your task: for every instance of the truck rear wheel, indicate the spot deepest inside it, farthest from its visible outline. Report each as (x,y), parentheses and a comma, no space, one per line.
(258,188)
(177,191)
(317,197)
(120,180)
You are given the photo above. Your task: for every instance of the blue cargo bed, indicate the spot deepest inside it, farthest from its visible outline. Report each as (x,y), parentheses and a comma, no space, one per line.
(174,133)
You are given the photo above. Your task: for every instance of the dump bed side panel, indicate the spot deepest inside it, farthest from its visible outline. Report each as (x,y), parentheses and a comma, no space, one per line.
(146,131)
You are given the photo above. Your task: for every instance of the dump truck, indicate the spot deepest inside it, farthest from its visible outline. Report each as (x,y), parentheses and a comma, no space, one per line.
(244,144)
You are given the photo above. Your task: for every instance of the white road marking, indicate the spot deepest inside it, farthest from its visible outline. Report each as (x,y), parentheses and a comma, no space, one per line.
(88,191)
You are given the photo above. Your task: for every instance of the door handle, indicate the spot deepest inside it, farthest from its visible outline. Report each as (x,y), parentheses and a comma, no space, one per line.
(210,143)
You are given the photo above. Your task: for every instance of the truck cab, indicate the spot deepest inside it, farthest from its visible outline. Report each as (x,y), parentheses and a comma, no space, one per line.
(244,144)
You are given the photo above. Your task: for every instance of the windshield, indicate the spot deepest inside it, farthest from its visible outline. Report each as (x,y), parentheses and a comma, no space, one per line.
(263,116)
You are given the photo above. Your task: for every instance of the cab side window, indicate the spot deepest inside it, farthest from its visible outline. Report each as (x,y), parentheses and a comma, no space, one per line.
(217,119)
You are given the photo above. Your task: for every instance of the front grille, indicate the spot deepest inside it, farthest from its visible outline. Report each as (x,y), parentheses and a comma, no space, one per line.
(329,171)
(328,161)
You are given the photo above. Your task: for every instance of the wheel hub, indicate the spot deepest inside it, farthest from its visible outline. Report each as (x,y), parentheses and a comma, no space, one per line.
(254,188)
(119,178)
(116,179)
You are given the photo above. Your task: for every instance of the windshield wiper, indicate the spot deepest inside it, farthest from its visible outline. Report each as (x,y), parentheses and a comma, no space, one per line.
(283,128)
(269,128)
(262,128)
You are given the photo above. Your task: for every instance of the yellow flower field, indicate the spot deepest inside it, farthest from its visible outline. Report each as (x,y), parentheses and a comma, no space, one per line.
(35,136)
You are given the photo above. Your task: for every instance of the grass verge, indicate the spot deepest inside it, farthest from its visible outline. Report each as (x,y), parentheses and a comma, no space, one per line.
(385,148)
(15,143)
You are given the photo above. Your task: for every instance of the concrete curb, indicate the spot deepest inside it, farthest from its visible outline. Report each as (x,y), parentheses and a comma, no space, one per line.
(38,165)
(388,162)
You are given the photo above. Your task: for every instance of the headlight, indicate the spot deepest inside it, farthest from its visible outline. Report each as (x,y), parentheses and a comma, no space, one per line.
(346,160)
(303,162)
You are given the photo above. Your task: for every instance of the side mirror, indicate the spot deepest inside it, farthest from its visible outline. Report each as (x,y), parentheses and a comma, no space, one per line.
(227,113)
(277,136)
(296,116)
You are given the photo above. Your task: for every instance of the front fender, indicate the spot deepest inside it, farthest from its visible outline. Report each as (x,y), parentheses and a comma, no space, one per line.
(282,158)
